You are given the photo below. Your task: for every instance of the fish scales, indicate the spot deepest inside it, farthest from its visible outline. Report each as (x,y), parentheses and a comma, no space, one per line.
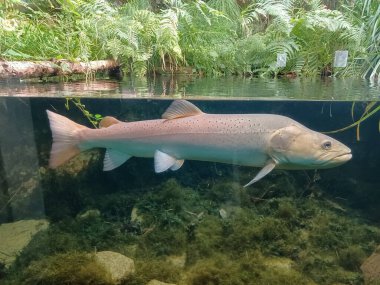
(192,137)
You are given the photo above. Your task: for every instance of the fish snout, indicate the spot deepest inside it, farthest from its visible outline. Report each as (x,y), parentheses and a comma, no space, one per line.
(343,156)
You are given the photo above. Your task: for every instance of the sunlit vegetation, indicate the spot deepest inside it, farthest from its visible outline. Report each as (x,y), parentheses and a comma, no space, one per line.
(215,37)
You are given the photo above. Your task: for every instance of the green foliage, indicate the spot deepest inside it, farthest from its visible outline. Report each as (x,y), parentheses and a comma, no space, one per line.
(365,14)
(252,266)
(229,193)
(94,119)
(351,258)
(89,30)
(320,33)
(147,270)
(214,38)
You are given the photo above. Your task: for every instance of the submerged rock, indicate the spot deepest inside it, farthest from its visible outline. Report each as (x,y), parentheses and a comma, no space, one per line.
(156,282)
(223,214)
(94,213)
(136,217)
(371,267)
(119,266)
(15,236)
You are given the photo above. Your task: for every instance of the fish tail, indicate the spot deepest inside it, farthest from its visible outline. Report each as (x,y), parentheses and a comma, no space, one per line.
(65,139)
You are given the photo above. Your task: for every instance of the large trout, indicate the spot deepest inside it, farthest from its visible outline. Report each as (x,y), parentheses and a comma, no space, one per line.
(186,133)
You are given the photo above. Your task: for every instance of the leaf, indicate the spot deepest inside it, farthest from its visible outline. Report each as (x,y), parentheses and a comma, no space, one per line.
(352,111)
(17,54)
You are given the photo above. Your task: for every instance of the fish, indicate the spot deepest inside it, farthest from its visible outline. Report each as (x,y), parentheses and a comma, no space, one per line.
(184,132)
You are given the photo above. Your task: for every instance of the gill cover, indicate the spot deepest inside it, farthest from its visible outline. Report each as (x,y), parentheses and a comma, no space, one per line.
(297,147)
(278,149)
(284,147)
(285,142)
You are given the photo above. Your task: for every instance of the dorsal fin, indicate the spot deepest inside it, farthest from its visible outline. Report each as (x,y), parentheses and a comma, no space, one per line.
(108,121)
(181,109)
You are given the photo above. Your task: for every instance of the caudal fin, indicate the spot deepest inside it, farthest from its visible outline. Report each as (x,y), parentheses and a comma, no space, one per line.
(65,139)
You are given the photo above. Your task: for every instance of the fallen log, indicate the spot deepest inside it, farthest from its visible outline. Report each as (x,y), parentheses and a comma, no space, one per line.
(30,69)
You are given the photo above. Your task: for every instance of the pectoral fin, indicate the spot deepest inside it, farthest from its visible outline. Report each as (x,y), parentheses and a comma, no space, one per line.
(164,161)
(271,164)
(113,159)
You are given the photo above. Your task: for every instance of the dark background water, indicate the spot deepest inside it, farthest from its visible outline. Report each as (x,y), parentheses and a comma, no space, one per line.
(25,144)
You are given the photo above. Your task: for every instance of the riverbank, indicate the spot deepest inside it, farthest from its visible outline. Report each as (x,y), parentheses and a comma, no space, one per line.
(207,38)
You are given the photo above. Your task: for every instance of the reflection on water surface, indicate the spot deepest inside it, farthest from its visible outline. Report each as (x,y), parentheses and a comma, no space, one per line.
(204,88)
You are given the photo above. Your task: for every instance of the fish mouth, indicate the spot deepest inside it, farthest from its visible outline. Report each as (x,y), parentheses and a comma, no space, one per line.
(341,158)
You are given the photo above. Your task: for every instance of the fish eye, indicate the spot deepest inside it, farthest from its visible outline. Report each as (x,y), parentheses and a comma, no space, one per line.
(326,145)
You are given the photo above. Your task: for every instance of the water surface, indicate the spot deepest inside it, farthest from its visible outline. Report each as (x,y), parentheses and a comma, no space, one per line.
(236,88)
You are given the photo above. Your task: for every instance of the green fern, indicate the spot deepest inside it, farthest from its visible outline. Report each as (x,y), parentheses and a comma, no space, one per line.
(229,8)
(213,37)
(257,16)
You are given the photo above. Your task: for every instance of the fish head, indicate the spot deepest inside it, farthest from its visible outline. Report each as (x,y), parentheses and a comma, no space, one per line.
(297,147)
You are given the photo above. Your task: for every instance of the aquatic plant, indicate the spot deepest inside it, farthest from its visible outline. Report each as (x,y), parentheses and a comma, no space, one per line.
(2,270)
(94,119)
(287,210)
(351,258)
(371,109)
(252,266)
(229,193)
(67,268)
(150,269)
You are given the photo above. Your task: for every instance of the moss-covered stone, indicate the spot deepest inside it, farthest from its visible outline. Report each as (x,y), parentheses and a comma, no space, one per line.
(68,268)
(15,236)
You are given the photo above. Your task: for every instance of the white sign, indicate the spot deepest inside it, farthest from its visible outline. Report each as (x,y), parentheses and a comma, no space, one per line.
(281,60)
(340,59)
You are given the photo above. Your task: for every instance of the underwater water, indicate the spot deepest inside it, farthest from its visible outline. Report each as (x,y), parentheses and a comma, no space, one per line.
(196,225)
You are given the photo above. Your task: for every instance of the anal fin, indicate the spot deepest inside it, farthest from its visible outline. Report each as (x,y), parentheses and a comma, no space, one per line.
(114,158)
(269,166)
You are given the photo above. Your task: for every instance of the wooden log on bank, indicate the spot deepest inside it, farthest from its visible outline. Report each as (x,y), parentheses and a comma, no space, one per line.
(35,69)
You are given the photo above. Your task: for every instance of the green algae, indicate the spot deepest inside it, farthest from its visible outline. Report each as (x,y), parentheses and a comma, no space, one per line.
(291,235)
(153,269)
(351,258)
(251,269)
(66,268)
